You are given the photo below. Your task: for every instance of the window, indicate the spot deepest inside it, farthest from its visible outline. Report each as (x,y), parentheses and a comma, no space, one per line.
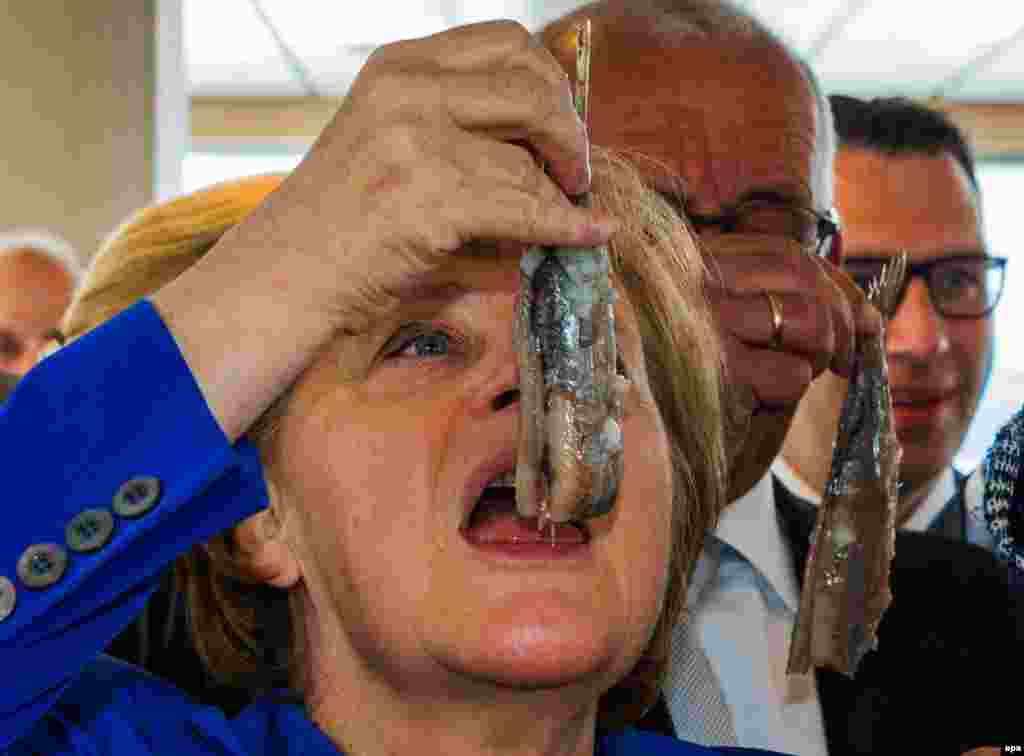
(1002,183)
(210,166)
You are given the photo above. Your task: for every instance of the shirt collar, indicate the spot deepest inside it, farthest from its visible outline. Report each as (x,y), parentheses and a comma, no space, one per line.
(791,479)
(750,526)
(943,489)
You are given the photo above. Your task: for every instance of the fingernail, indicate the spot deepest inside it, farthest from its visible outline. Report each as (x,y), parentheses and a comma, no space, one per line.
(600,230)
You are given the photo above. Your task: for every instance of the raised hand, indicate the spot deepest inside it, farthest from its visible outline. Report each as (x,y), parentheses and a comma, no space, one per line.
(820,313)
(438,144)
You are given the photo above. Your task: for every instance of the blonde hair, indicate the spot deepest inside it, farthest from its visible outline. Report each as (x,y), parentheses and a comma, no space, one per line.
(244,632)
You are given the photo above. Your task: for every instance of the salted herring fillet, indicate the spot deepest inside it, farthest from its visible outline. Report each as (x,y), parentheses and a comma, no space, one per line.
(570,439)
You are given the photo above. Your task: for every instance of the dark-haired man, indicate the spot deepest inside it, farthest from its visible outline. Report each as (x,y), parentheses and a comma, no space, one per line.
(905,181)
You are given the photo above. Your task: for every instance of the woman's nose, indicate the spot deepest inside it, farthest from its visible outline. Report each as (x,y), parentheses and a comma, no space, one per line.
(499,390)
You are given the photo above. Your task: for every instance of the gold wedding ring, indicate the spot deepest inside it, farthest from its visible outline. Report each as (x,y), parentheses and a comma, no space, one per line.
(776,308)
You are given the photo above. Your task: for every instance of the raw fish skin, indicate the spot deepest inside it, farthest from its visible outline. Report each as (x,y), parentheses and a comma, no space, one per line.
(846,581)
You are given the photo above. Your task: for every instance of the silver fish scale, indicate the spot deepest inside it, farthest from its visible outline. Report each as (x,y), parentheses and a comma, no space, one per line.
(567,299)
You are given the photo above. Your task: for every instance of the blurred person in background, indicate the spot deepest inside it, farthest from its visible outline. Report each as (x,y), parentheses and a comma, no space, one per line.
(905,181)
(38,275)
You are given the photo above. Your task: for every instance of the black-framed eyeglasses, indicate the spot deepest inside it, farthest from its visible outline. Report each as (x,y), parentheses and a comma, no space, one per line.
(960,286)
(817,232)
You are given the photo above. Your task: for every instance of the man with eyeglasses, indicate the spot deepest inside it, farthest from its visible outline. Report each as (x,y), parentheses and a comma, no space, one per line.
(905,181)
(733,131)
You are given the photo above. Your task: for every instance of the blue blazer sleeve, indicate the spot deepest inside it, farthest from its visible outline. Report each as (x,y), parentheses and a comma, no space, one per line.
(117,404)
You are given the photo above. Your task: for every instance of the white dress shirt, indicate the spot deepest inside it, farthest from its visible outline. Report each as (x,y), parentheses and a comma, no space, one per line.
(743,602)
(942,490)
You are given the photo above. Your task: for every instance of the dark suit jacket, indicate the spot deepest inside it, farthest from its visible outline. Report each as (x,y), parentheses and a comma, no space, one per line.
(952,521)
(946,675)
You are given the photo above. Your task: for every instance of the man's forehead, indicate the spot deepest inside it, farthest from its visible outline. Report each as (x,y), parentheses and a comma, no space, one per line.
(708,153)
(723,121)
(923,203)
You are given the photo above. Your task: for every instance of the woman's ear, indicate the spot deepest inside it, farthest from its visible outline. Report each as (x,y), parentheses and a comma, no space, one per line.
(263,551)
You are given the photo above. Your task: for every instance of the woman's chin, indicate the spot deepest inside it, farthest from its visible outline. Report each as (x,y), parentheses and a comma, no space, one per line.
(541,646)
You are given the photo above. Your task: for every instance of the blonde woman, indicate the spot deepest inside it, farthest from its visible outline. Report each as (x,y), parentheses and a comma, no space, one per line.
(329,500)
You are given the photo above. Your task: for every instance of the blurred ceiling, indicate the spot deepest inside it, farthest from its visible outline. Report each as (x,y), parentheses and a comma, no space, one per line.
(314,48)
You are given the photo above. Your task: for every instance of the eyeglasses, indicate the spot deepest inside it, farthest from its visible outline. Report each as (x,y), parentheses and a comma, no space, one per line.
(960,286)
(817,232)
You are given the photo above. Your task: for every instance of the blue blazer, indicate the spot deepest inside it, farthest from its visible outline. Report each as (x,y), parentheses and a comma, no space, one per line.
(117,407)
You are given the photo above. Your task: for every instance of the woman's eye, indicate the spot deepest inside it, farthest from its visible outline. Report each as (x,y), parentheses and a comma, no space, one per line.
(430,344)
(10,347)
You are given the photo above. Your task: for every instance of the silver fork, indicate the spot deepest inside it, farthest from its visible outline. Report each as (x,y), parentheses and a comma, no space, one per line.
(884,289)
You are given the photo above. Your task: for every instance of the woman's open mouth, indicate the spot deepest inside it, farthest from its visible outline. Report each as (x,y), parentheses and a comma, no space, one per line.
(493,524)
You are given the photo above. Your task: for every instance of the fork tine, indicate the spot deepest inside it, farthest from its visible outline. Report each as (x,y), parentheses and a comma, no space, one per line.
(898,274)
(886,285)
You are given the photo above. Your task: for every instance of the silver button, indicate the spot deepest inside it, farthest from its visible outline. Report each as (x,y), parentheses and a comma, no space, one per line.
(42,565)
(137,496)
(89,530)
(8,598)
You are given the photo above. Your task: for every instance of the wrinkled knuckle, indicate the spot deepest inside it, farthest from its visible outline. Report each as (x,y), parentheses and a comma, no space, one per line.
(541,101)
(440,234)
(526,172)
(409,91)
(380,86)
(531,215)
(534,214)
(445,237)
(509,82)
(548,67)
(515,32)
(399,143)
